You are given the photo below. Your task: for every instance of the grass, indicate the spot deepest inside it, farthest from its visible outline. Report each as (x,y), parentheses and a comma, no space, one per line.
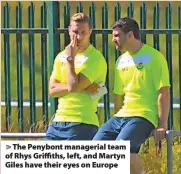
(157,163)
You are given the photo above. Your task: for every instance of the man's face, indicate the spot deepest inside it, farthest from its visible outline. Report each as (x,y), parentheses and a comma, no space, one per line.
(120,39)
(82,31)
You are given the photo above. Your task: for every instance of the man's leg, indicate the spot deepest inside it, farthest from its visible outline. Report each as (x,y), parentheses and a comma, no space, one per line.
(136,164)
(52,132)
(137,130)
(80,131)
(110,130)
(70,131)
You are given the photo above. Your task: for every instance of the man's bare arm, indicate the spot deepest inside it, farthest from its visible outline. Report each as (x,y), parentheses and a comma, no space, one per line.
(163,106)
(163,111)
(76,82)
(57,89)
(118,102)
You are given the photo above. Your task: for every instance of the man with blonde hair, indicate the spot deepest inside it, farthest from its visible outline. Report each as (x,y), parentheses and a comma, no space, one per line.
(78,70)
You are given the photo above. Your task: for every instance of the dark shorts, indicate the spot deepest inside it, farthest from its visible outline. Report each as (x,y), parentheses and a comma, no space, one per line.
(70,131)
(135,129)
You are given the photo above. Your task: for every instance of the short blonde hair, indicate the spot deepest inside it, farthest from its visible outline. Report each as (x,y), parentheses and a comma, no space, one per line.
(81,17)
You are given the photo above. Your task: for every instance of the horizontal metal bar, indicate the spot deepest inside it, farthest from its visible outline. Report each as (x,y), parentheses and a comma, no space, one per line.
(147,31)
(96,31)
(176,99)
(24,30)
(173,133)
(23,135)
(41,135)
(39,104)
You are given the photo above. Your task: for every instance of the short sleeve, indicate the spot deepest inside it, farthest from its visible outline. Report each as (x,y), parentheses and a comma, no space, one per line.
(118,84)
(160,72)
(93,69)
(56,69)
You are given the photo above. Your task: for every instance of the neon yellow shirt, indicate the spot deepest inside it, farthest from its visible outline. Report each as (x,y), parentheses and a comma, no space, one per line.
(139,77)
(78,106)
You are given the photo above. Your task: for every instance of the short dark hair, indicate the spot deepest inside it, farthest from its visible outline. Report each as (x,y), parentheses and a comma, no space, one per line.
(128,24)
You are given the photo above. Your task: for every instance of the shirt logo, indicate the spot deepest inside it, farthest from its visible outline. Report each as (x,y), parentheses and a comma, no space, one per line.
(139,66)
(125,69)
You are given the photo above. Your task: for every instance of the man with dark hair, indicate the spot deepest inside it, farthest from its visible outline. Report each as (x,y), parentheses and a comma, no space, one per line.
(141,89)
(78,70)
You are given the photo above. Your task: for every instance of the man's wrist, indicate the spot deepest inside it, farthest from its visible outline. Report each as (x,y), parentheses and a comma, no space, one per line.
(162,125)
(69,58)
(70,64)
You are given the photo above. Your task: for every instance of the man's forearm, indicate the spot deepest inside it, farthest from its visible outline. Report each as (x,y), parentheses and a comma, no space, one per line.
(163,109)
(72,79)
(58,90)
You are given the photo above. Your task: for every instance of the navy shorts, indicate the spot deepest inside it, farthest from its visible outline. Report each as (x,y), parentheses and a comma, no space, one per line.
(70,131)
(135,129)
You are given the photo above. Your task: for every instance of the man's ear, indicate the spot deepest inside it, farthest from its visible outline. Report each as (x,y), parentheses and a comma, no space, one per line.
(130,34)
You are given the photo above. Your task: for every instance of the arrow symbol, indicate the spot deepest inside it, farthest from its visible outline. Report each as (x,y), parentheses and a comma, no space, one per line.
(8,147)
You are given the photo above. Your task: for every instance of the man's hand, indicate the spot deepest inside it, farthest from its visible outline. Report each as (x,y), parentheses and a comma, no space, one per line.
(92,89)
(72,48)
(72,79)
(160,133)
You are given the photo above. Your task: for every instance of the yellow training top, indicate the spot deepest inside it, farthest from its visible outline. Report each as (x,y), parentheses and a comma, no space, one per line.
(139,77)
(78,106)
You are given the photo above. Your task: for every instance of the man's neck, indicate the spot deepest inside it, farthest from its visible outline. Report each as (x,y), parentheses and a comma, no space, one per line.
(82,49)
(135,47)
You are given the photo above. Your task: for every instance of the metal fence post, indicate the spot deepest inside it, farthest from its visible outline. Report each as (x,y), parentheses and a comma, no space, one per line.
(92,10)
(19,57)
(169,59)
(66,23)
(31,21)
(54,41)
(117,16)
(44,64)
(105,53)
(170,136)
(179,46)
(7,62)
